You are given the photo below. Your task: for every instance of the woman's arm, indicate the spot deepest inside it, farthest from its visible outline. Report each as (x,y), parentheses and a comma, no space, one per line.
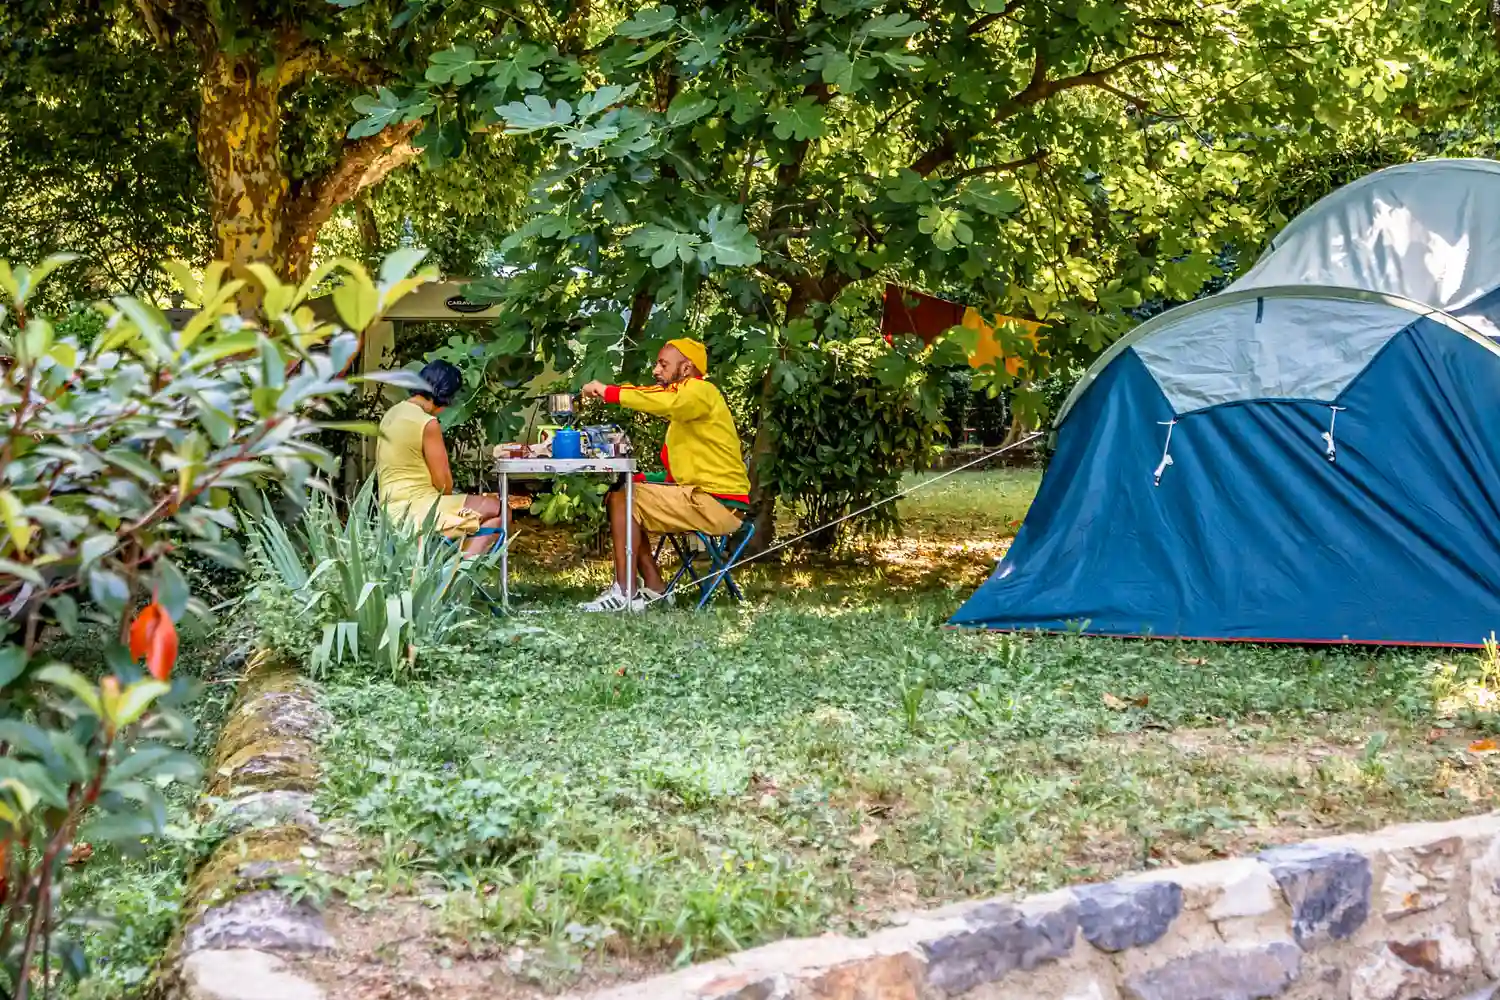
(436,455)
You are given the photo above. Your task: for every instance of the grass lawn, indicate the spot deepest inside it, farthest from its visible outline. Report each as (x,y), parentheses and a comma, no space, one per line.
(573,797)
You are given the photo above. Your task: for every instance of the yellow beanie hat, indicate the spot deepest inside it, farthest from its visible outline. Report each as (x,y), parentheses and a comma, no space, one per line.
(693,351)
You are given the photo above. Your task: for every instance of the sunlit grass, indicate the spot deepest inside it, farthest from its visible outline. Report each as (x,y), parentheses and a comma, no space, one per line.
(645,789)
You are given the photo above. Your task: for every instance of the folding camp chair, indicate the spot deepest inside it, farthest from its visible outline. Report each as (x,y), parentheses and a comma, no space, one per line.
(495,604)
(723,551)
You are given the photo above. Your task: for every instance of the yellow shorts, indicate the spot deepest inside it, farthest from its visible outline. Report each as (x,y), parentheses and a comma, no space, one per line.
(671,508)
(453,519)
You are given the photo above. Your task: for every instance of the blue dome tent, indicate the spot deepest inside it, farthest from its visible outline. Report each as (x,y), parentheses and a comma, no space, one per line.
(1312,455)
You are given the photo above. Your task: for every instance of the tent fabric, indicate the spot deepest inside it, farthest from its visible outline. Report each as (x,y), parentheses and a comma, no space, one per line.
(1242,348)
(1253,533)
(926,318)
(929,317)
(1427,231)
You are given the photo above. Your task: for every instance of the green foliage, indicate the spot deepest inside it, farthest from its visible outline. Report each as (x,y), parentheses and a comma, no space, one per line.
(130,903)
(375,591)
(576,501)
(854,418)
(974,409)
(732,170)
(98,155)
(121,450)
(716,158)
(107,106)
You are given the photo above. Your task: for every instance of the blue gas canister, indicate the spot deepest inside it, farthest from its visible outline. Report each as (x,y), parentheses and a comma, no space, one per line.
(567,443)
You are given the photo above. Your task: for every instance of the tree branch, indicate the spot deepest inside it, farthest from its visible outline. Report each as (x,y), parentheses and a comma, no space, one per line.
(995,168)
(1038,89)
(153,26)
(984,22)
(364,163)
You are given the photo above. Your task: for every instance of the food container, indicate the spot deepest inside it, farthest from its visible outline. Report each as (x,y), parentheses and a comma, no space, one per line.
(605,441)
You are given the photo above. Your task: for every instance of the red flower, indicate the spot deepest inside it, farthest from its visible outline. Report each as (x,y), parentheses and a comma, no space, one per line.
(154,637)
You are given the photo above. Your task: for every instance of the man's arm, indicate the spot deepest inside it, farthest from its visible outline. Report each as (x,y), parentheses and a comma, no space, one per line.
(686,402)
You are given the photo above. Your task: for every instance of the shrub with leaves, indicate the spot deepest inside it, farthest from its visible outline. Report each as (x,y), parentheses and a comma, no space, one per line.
(120,452)
(856,418)
(372,589)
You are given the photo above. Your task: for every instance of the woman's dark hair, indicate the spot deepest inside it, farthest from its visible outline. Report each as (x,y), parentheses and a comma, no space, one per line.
(444,379)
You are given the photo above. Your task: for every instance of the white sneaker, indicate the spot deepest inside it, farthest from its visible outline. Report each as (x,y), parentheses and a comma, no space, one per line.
(613,599)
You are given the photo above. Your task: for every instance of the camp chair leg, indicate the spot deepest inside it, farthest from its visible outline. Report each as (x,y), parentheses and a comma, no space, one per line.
(722,554)
(496,608)
(685,557)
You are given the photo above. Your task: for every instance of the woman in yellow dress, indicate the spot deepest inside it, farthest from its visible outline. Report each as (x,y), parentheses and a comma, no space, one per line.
(411,463)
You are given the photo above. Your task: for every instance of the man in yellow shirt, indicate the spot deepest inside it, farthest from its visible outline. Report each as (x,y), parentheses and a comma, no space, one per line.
(704,488)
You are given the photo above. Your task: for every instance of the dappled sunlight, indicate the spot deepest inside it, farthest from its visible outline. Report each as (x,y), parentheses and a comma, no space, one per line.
(826,755)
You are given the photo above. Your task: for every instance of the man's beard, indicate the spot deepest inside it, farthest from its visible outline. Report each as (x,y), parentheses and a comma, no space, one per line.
(664,381)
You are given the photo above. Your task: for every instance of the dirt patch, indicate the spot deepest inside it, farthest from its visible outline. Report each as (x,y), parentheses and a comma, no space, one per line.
(1298,756)
(400,950)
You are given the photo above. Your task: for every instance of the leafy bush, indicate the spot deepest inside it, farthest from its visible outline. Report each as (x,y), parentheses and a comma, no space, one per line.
(1056,386)
(375,590)
(121,449)
(574,500)
(849,419)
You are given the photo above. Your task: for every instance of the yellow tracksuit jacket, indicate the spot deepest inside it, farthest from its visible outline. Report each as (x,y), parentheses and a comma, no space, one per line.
(703,447)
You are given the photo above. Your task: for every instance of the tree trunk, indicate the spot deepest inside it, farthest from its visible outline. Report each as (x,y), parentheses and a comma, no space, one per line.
(239,132)
(259,215)
(1019,428)
(762,450)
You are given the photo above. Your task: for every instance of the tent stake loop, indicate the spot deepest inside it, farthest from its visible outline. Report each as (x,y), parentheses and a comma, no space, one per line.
(1166,450)
(1331,451)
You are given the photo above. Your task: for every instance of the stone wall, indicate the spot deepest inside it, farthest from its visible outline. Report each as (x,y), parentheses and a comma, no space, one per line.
(1409,913)
(259,802)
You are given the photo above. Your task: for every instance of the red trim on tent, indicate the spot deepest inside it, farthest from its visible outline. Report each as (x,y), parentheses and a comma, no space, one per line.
(1197,638)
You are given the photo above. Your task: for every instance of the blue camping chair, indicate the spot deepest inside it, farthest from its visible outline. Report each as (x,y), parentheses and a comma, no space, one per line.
(723,551)
(495,605)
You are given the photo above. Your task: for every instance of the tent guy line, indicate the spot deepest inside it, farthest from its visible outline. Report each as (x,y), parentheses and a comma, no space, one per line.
(863,510)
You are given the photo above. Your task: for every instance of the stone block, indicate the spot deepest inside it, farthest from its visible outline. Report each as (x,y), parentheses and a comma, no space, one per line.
(998,939)
(1484,907)
(882,977)
(1436,964)
(1119,915)
(1228,973)
(264,809)
(290,715)
(1328,888)
(1419,878)
(242,974)
(265,921)
(1222,890)
(1490,992)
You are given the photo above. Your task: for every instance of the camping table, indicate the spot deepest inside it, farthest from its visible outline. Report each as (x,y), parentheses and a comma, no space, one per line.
(506,467)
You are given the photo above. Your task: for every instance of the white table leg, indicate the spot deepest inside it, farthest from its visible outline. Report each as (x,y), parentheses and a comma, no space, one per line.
(505,549)
(629,539)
